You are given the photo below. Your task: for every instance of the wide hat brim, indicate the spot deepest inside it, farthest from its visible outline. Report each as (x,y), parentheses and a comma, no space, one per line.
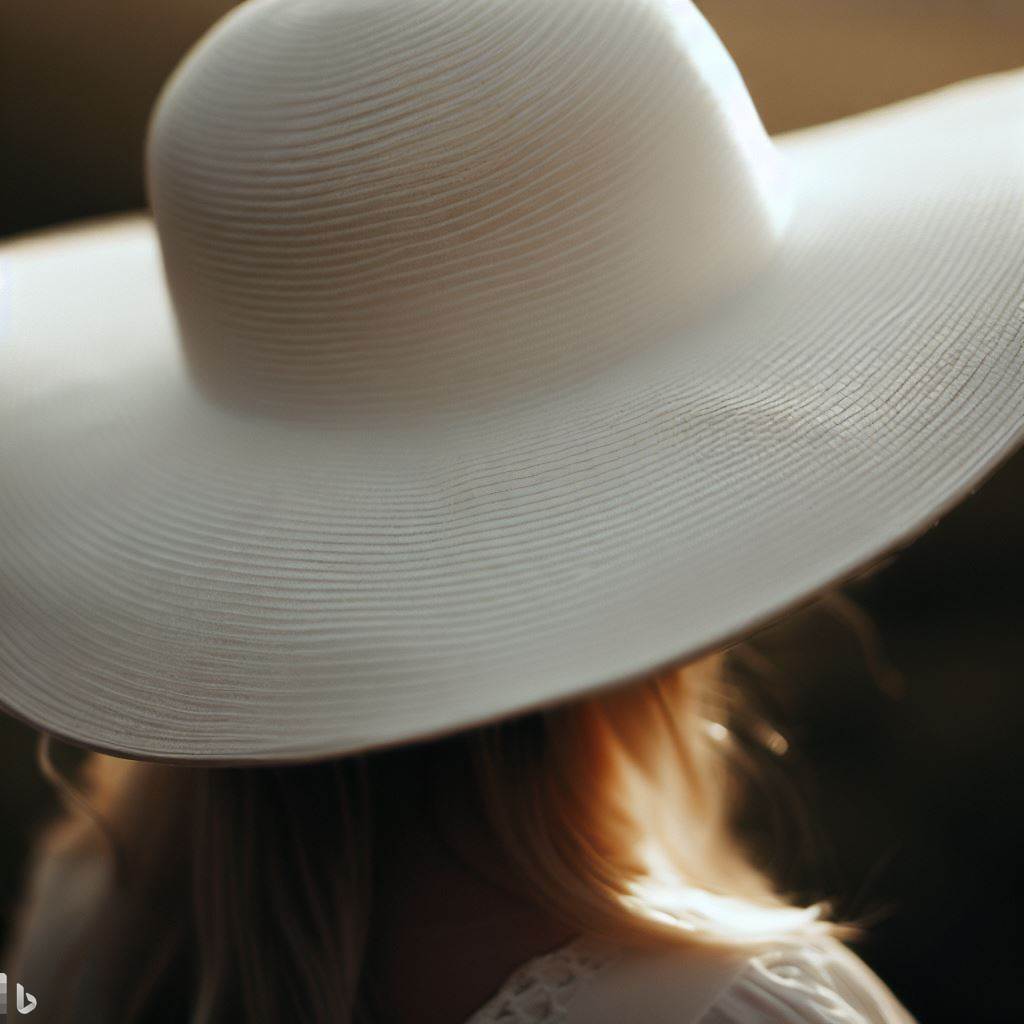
(184,582)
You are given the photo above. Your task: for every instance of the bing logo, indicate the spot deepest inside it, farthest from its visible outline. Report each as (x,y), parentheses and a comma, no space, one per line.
(25,1002)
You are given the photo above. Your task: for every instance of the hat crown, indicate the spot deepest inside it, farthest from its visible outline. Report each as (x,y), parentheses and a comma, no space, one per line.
(414,204)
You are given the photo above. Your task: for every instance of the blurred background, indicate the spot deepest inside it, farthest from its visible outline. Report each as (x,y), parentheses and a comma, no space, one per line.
(904,711)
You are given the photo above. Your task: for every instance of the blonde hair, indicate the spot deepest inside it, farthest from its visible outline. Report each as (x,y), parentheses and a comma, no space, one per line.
(254,885)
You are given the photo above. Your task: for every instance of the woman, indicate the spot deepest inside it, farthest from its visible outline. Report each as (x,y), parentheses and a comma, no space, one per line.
(511,367)
(508,872)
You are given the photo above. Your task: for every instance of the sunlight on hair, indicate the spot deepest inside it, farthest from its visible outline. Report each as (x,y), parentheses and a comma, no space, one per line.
(698,911)
(716,731)
(772,739)
(665,896)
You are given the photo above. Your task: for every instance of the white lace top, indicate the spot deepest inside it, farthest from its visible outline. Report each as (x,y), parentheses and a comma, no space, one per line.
(589,981)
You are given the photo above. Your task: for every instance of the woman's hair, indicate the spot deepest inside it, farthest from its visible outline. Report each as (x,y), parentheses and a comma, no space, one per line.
(247,893)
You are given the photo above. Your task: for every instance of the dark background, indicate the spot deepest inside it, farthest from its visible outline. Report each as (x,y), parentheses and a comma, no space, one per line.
(907,761)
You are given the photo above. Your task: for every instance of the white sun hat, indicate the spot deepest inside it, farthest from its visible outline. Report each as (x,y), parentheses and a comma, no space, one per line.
(483,354)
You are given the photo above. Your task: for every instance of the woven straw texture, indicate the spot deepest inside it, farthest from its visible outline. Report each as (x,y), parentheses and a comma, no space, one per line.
(418,437)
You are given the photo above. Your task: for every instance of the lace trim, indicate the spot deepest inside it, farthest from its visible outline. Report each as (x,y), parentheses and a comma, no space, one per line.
(541,990)
(807,984)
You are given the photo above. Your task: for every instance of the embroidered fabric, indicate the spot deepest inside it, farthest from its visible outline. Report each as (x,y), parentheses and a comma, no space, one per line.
(542,989)
(790,983)
(821,983)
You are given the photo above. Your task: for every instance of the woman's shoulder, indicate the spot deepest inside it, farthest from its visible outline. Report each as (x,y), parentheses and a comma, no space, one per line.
(593,981)
(803,982)
(787,981)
